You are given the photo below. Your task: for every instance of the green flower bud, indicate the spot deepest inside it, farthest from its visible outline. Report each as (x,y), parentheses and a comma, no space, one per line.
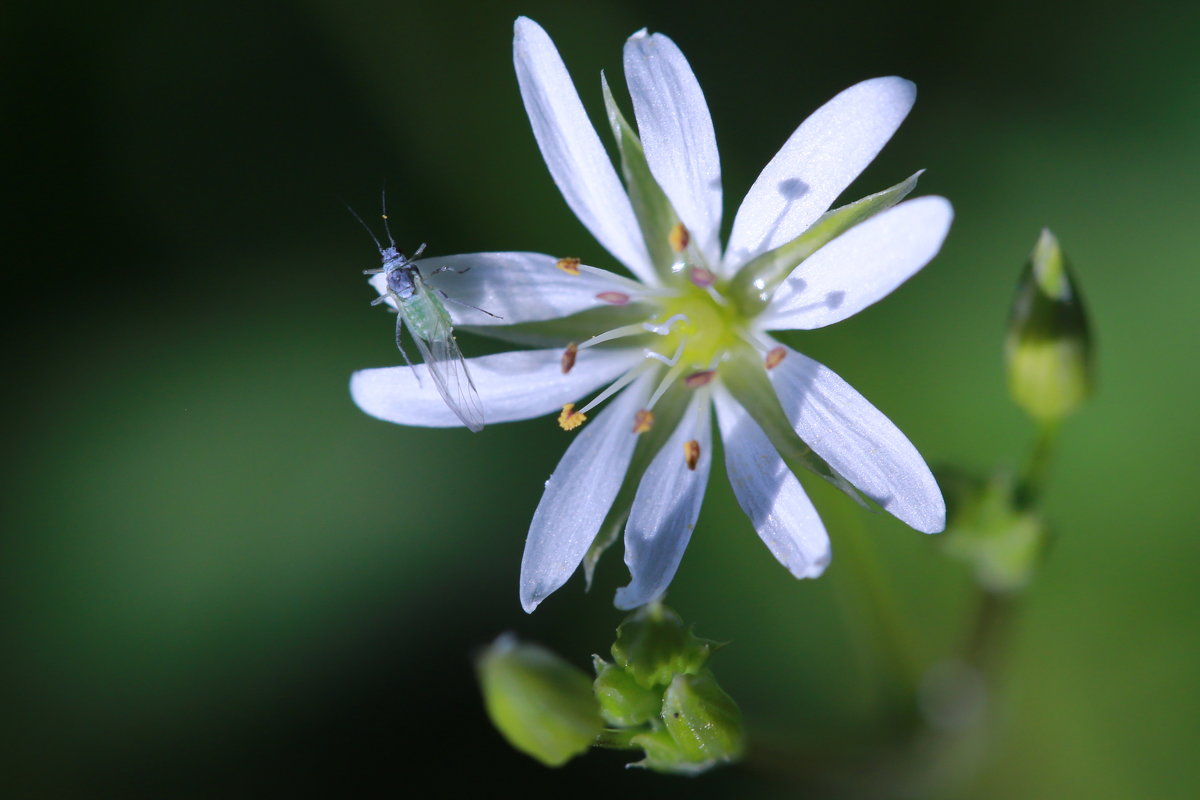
(623,702)
(702,727)
(704,720)
(541,704)
(990,529)
(653,646)
(1048,348)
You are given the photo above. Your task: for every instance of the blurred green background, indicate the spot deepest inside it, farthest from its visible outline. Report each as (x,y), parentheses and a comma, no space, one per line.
(220,578)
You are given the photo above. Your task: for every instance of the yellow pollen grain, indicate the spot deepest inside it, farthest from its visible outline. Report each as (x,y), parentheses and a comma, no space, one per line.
(643,421)
(568,357)
(678,238)
(570,419)
(691,453)
(774,356)
(568,265)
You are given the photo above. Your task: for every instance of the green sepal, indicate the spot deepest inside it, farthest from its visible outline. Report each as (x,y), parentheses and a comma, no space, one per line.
(702,719)
(623,702)
(656,217)
(755,282)
(577,327)
(653,646)
(746,378)
(1048,347)
(542,705)
(667,413)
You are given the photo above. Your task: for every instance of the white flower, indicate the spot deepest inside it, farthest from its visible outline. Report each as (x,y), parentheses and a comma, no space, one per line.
(689,335)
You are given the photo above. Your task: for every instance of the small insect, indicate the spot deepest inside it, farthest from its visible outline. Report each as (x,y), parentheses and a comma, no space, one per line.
(421,309)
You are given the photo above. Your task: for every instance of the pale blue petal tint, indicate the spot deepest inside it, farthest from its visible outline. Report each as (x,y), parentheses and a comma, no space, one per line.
(677,136)
(666,508)
(572,150)
(770,494)
(816,164)
(858,441)
(517,385)
(514,287)
(579,495)
(860,267)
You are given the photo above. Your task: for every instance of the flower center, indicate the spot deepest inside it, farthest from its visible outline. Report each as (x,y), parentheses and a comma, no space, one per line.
(705,327)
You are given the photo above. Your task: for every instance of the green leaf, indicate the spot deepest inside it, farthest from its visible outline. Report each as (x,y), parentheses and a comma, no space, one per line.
(656,217)
(755,282)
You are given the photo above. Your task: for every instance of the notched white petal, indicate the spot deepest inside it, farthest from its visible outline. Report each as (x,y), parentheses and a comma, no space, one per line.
(512,386)
(858,441)
(509,288)
(816,164)
(667,506)
(578,496)
(572,150)
(770,494)
(677,135)
(860,267)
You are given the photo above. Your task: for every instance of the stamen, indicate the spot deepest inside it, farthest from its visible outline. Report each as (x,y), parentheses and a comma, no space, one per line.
(568,357)
(643,421)
(698,379)
(774,356)
(568,265)
(616,333)
(613,298)
(691,453)
(702,277)
(679,237)
(614,387)
(570,419)
(672,375)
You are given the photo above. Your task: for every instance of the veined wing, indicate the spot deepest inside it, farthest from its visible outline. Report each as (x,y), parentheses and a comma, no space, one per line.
(448,368)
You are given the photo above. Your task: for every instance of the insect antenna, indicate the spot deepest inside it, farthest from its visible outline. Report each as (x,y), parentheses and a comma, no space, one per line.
(374,238)
(383,207)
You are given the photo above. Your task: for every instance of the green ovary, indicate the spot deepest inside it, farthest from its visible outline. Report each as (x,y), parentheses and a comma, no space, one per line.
(708,329)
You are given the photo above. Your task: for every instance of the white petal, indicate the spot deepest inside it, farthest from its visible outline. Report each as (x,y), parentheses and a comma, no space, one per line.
(665,509)
(858,441)
(514,287)
(677,134)
(516,385)
(863,265)
(770,494)
(816,164)
(573,152)
(579,495)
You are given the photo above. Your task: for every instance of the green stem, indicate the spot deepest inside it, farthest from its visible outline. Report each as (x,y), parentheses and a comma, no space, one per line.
(618,738)
(1033,475)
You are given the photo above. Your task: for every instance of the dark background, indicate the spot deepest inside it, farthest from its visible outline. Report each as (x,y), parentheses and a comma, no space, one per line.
(219,578)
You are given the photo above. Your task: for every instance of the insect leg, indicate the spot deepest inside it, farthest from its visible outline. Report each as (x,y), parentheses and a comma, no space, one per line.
(467,305)
(400,346)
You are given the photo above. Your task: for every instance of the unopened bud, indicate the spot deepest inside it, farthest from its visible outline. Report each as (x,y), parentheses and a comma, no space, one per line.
(1048,348)
(623,703)
(541,704)
(702,728)
(654,646)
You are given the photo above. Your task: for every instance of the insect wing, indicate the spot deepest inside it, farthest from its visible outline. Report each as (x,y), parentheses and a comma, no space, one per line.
(448,369)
